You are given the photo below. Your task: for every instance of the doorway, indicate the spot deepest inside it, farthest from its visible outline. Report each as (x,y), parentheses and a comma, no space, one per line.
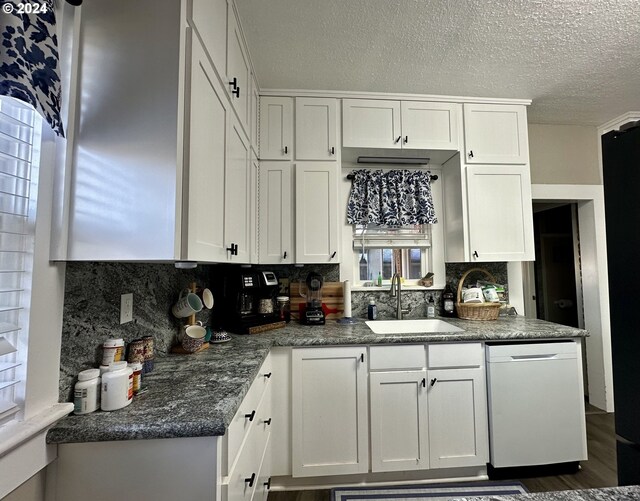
(558,287)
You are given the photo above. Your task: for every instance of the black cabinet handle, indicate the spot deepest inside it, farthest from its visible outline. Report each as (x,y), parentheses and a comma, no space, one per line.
(397,140)
(250,416)
(233,249)
(267,375)
(424,382)
(334,254)
(234,83)
(267,421)
(470,153)
(267,484)
(475,254)
(236,92)
(361,357)
(406,139)
(250,480)
(433,381)
(333,150)
(284,256)
(286,150)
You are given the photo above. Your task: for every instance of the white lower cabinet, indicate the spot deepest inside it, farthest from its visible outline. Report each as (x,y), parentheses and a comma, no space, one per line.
(399,426)
(329,411)
(458,427)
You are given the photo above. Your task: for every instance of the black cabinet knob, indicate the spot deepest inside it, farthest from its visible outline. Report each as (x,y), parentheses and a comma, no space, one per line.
(424,382)
(267,375)
(234,82)
(267,484)
(334,254)
(284,256)
(250,416)
(475,254)
(406,139)
(433,381)
(286,150)
(333,150)
(236,92)
(470,153)
(397,140)
(267,421)
(250,480)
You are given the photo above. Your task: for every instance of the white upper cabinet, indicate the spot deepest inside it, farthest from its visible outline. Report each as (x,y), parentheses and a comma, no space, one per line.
(209,17)
(430,126)
(317,228)
(254,106)
(400,124)
(276,212)
(276,128)
(500,213)
(238,71)
(316,128)
(237,218)
(495,134)
(208,124)
(371,123)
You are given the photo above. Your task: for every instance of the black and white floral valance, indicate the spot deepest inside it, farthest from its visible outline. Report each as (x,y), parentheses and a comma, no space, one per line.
(391,198)
(29,60)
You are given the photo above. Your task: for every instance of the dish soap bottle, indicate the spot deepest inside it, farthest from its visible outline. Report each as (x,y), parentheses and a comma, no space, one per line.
(372,310)
(431,308)
(447,301)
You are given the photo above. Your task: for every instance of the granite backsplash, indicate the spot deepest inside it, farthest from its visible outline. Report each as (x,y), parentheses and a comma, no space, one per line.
(92,304)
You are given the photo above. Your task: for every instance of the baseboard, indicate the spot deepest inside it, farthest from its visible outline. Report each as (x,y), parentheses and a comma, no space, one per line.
(288,483)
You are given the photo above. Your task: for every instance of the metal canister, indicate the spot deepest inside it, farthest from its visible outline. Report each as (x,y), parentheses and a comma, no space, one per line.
(136,351)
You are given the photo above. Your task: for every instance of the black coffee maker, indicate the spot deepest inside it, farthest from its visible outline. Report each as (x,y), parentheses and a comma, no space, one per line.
(246,299)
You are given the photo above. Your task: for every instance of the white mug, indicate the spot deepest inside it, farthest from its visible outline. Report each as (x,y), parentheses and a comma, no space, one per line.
(188,304)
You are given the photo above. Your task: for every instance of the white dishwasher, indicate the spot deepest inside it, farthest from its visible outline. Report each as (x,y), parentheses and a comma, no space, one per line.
(536,404)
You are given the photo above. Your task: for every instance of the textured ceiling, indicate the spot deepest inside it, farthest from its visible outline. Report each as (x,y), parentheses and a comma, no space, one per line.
(578,60)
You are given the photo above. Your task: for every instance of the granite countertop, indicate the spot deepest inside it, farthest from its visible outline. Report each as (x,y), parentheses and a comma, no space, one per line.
(608,493)
(197,395)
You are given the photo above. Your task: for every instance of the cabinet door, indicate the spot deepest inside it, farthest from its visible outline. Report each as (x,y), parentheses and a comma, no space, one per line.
(210,17)
(458,428)
(276,239)
(495,134)
(430,126)
(500,213)
(238,71)
(399,424)
(208,126)
(254,171)
(371,123)
(317,213)
(276,128)
(329,411)
(237,205)
(316,128)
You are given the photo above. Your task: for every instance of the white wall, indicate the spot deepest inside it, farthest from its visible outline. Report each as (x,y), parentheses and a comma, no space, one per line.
(564,154)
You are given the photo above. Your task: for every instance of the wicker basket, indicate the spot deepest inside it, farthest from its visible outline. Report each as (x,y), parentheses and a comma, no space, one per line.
(476,311)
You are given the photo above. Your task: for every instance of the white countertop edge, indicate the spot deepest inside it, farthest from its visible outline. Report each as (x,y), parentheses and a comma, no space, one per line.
(15,433)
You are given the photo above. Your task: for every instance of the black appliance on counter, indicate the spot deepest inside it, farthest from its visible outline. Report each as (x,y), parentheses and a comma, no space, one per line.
(246,299)
(621,176)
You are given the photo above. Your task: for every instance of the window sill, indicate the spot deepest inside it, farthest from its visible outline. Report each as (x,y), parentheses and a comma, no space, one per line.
(16,433)
(385,288)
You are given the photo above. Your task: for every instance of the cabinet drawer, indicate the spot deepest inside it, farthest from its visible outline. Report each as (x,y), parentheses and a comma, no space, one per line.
(443,356)
(240,425)
(245,476)
(412,356)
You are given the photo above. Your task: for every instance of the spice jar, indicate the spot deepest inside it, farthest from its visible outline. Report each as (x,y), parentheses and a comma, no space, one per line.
(86,393)
(136,367)
(284,308)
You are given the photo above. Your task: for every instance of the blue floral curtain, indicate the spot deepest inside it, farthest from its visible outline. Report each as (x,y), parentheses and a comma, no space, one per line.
(29,61)
(392,198)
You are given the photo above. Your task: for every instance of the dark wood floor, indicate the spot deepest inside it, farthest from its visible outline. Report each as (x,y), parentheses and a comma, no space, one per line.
(598,471)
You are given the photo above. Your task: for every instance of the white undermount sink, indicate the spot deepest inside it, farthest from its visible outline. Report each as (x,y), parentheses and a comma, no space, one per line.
(411,326)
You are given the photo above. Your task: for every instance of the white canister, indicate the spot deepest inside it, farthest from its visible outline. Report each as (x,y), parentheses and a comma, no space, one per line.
(112,351)
(472,295)
(86,393)
(117,387)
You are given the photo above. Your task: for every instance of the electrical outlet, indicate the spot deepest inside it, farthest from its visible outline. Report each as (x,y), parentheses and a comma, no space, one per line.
(126,308)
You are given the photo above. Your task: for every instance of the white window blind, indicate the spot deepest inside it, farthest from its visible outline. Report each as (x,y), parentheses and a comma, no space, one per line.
(19,131)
